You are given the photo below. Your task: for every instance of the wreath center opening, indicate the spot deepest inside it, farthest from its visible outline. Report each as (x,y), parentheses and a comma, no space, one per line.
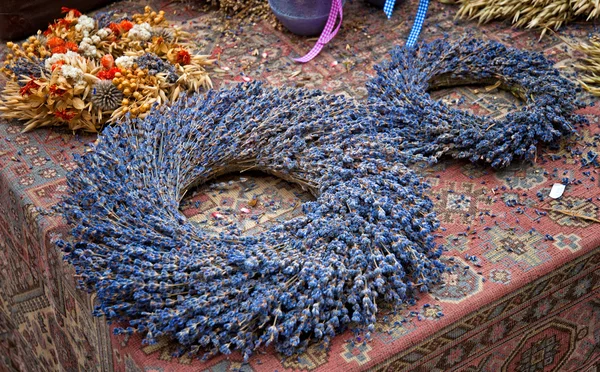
(477,96)
(249,201)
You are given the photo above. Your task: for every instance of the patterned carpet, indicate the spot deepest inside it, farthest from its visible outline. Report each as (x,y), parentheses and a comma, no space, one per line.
(531,302)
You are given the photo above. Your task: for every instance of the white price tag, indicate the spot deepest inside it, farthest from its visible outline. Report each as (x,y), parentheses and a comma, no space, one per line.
(557,190)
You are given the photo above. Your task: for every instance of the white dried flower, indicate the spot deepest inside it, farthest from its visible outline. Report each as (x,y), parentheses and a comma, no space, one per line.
(125,62)
(87,47)
(59,57)
(95,39)
(141,32)
(103,33)
(71,72)
(85,24)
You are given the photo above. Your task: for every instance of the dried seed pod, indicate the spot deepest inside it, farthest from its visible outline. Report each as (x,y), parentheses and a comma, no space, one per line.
(106,96)
(164,33)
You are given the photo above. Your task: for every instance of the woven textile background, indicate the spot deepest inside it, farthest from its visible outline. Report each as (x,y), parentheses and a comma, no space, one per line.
(533,305)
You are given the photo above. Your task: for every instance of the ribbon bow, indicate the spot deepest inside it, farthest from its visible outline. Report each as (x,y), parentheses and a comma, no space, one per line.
(336,11)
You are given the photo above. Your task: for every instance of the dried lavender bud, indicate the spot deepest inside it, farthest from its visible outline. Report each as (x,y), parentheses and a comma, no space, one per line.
(106,96)
(154,64)
(429,129)
(103,19)
(30,67)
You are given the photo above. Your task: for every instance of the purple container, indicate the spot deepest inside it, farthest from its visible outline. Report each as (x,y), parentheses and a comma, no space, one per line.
(302,17)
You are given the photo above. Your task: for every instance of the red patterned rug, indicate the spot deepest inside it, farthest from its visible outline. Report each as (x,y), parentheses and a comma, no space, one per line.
(530,304)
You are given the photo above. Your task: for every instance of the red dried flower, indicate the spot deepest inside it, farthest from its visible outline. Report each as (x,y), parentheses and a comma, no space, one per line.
(71,46)
(51,26)
(65,115)
(54,90)
(54,42)
(64,22)
(26,90)
(125,25)
(108,74)
(183,57)
(76,13)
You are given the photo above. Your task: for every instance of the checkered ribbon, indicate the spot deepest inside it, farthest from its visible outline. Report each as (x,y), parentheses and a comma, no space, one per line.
(328,32)
(388,8)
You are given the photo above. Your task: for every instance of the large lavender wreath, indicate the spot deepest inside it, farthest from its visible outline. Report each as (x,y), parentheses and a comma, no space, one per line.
(367,238)
(429,129)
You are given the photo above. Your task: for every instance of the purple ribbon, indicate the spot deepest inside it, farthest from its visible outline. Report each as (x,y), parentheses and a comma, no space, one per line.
(328,32)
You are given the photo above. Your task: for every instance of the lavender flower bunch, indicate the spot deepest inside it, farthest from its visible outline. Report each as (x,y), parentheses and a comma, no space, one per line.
(154,64)
(367,238)
(26,67)
(429,129)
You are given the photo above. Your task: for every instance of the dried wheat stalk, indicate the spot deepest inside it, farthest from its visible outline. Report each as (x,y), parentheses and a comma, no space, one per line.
(541,14)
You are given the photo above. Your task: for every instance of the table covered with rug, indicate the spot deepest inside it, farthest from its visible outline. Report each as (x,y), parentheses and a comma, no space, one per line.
(526,299)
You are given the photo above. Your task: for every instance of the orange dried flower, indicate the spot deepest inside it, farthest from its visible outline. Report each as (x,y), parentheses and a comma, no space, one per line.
(26,90)
(71,46)
(115,28)
(65,115)
(107,61)
(183,57)
(125,25)
(59,49)
(108,74)
(54,42)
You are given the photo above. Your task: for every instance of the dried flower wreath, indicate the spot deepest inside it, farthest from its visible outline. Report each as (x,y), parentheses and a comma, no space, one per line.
(430,129)
(367,238)
(83,72)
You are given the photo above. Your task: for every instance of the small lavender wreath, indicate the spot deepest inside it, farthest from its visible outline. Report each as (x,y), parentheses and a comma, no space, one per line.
(429,129)
(367,238)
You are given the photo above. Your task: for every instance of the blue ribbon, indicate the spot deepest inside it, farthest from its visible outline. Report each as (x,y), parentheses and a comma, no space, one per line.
(388,8)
